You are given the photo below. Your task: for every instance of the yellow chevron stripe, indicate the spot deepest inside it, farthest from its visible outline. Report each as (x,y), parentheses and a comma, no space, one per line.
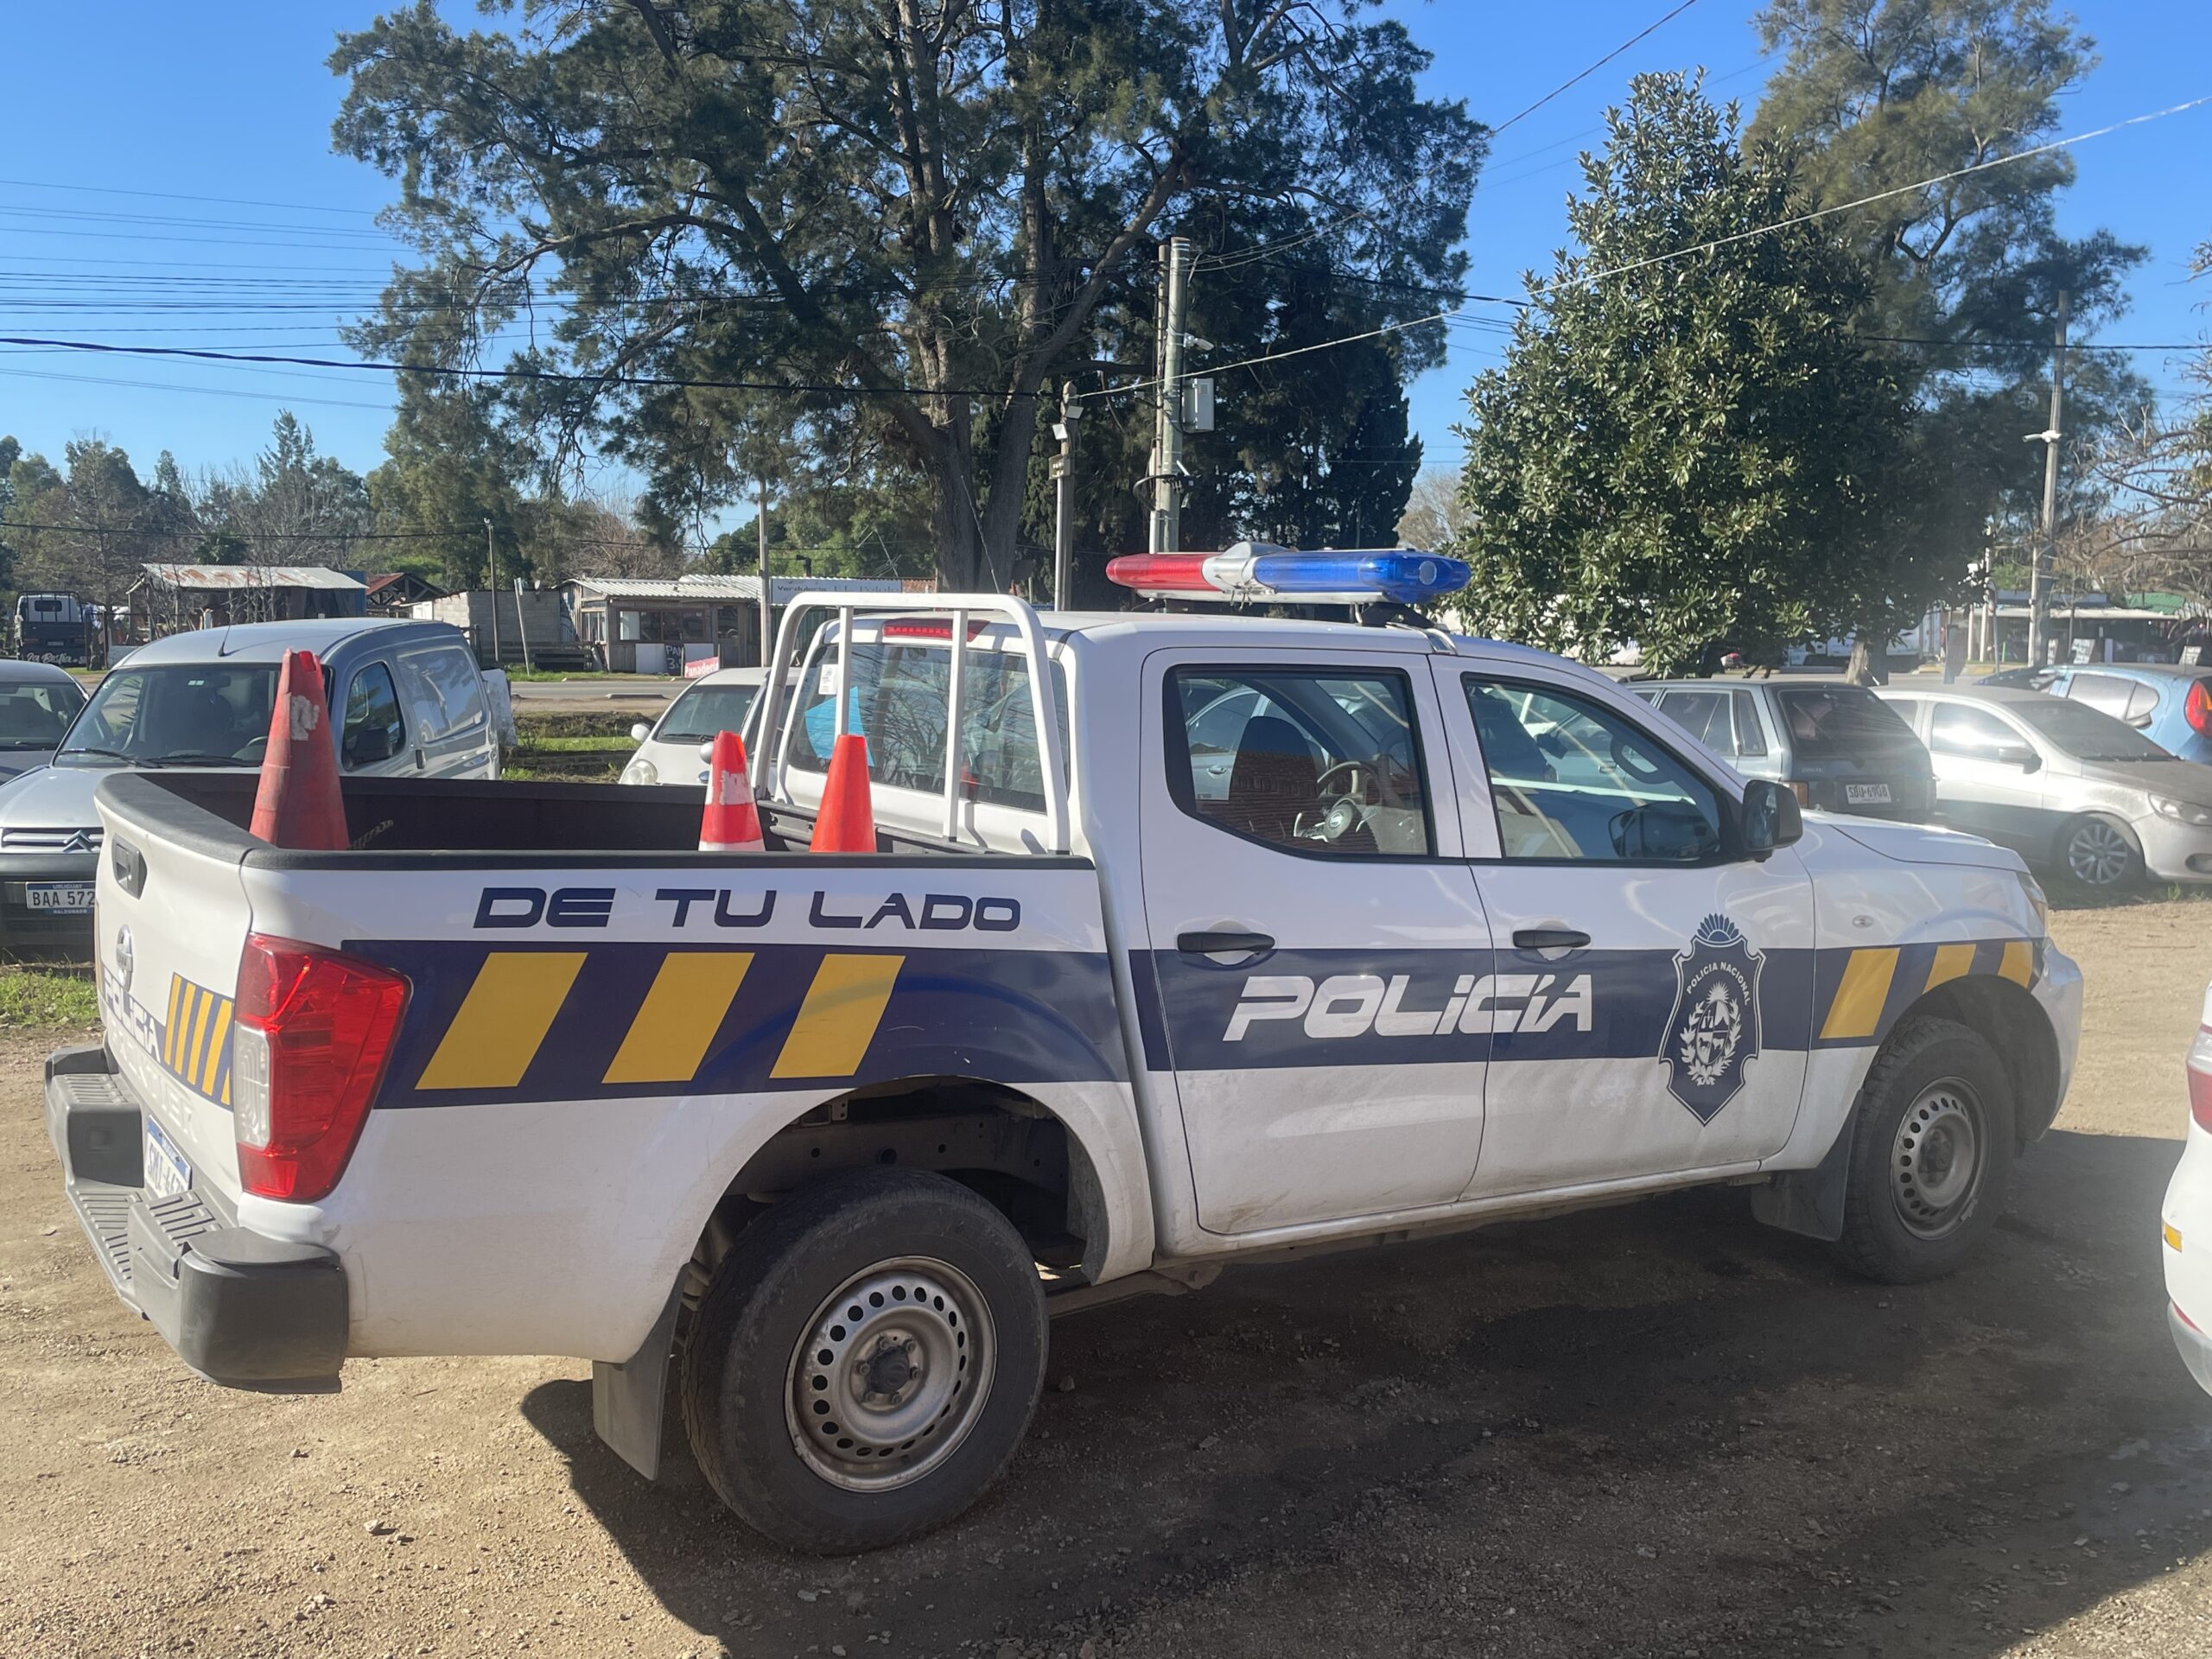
(169,1029)
(2018,965)
(1866,985)
(1952,961)
(196,1026)
(837,1021)
(503,1020)
(690,996)
(211,1057)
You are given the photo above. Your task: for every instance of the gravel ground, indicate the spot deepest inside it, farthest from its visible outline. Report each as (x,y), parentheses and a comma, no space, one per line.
(1658,1430)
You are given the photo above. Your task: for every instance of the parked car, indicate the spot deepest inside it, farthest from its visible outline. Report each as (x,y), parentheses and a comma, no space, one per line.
(668,748)
(410,703)
(2169,704)
(1837,746)
(2062,784)
(37,702)
(2186,1220)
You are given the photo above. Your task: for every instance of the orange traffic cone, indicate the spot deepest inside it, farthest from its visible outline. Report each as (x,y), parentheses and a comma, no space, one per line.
(846,821)
(731,823)
(298,804)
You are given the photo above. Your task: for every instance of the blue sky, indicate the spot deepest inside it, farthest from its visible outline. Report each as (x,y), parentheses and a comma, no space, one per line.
(232,102)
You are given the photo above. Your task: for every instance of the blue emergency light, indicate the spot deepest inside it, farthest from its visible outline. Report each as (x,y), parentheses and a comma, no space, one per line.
(1258,573)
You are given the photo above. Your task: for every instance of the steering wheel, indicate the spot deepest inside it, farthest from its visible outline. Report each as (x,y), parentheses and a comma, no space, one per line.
(1347,812)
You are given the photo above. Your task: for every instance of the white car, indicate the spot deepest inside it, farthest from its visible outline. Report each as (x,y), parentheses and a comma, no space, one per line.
(2187,1219)
(668,749)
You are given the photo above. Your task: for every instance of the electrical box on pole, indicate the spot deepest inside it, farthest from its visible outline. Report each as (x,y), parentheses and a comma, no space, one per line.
(1197,403)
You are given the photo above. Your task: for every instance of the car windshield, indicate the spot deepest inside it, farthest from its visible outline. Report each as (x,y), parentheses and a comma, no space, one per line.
(196,713)
(1826,721)
(34,716)
(705,709)
(2075,729)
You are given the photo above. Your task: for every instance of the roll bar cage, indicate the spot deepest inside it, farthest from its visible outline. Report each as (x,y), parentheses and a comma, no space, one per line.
(770,723)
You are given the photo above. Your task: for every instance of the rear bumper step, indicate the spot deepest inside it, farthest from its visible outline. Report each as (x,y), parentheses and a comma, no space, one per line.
(240,1308)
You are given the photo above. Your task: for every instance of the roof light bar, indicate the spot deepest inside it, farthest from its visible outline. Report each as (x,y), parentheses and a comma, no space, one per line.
(1257,573)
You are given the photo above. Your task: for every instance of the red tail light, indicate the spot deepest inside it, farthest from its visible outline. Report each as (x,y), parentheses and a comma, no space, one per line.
(2200,1079)
(2196,707)
(314,1030)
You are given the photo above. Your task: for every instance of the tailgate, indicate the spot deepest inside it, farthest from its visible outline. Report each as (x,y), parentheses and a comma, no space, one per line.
(169,922)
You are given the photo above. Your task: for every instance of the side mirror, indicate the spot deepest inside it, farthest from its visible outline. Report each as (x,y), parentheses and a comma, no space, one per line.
(641,732)
(1772,817)
(366,745)
(2022,755)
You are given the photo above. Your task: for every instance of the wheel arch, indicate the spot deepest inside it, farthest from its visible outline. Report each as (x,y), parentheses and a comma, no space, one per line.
(2007,1016)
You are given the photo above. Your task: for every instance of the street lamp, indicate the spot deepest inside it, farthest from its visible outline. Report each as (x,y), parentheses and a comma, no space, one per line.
(492,581)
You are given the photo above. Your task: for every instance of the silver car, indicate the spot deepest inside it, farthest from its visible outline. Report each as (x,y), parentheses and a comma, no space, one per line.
(2062,784)
(37,702)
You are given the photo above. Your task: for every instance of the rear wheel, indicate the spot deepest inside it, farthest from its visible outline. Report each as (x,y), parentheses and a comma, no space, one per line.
(2100,852)
(1931,1153)
(865,1361)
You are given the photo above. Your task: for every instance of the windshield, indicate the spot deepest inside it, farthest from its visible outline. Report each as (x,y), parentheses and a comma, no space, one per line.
(705,710)
(1827,722)
(34,716)
(189,715)
(2077,730)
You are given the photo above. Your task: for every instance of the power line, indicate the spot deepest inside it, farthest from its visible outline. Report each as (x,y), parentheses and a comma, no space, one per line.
(1593,69)
(171,195)
(677,382)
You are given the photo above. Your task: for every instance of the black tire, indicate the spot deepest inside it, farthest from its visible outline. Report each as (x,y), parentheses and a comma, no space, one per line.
(1906,1218)
(2099,853)
(761,1361)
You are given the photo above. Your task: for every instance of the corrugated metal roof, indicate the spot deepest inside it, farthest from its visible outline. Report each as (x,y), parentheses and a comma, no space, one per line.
(249,576)
(781,590)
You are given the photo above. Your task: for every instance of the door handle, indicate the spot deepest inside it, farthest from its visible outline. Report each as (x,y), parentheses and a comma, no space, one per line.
(1220,943)
(1549,939)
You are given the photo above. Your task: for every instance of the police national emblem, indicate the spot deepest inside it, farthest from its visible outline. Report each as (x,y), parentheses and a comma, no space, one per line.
(1714,1032)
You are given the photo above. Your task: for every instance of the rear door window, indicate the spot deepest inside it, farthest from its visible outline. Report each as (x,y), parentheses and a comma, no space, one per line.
(1322,761)
(446,691)
(2109,694)
(1706,717)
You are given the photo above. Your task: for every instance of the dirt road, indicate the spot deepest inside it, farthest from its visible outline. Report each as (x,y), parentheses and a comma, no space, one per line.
(1660,1430)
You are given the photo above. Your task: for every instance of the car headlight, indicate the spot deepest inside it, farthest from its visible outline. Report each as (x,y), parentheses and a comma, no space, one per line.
(641,770)
(2037,903)
(2183,811)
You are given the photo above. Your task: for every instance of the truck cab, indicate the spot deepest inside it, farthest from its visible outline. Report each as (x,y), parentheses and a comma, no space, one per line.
(1187,938)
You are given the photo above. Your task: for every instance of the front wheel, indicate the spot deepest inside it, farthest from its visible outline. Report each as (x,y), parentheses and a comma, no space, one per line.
(2099,853)
(865,1361)
(1931,1153)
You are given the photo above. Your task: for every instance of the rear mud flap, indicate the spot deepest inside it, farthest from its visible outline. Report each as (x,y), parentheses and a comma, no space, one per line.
(627,1400)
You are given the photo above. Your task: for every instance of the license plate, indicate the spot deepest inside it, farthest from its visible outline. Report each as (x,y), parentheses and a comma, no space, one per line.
(166,1174)
(1867,794)
(58,895)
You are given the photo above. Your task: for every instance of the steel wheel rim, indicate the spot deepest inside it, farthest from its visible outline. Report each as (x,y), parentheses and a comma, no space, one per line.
(1936,1157)
(2097,853)
(890,1375)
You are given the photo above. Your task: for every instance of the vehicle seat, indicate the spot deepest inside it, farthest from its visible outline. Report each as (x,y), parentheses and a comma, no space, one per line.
(1276,779)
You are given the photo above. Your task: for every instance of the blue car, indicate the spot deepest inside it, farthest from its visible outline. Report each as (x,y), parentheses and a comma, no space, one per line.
(2169,704)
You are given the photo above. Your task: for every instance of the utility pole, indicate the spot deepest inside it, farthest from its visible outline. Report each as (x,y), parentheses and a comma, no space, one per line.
(767,608)
(2046,553)
(492,582)
(1168,400)
(1064,498)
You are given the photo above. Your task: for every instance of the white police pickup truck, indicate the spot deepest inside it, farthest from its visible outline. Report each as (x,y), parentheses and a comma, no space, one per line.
(1189,938)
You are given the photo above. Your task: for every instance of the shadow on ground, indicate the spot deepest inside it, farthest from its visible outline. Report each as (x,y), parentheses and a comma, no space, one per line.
(1655,1430)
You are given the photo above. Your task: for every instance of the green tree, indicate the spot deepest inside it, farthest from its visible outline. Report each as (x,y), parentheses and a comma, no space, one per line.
(933,203)
(1889,92)
(1686,452)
